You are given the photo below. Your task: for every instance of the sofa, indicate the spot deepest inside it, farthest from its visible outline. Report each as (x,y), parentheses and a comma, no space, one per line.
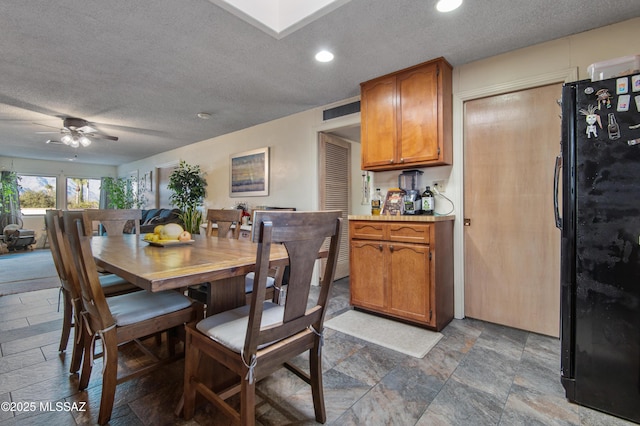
(154,217)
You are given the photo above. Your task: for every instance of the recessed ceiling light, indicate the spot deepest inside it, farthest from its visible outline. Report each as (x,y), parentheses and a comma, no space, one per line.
(204,115)
(448,5)
(324,56)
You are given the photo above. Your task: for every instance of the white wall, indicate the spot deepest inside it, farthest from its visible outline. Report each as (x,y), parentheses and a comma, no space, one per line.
(293,144)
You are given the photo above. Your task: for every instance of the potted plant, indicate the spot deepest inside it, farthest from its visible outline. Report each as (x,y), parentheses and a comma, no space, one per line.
(189,189)
(121,193)
(9,192)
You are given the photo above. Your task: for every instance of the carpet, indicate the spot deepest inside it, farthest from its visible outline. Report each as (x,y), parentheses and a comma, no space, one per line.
(25,271)
(400,337)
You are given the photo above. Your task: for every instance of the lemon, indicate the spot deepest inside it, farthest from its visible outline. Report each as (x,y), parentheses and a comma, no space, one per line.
(158,229)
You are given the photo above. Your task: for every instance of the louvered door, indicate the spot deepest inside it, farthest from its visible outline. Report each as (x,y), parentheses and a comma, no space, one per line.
(335,175)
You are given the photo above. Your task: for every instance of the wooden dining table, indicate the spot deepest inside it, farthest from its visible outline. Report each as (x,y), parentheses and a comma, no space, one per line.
(220,262)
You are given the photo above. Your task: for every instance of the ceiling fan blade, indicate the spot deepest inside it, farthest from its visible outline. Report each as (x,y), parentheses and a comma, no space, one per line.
(101,136)
(51,127)
(47,133)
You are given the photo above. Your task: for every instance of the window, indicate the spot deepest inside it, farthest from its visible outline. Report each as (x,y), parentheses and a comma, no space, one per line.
(37,193)
(83,193)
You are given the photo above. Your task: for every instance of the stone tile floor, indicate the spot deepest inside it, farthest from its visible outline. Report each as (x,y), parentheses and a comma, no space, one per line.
(478,374)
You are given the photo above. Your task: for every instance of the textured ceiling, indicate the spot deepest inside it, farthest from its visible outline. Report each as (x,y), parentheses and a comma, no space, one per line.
(142,69)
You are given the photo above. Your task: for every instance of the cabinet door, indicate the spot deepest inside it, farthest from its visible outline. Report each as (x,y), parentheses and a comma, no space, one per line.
(410,282)
(378,125)
(367,275)
(418,125)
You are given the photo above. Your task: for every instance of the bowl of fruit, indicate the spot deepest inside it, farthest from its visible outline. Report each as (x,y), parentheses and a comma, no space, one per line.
(170,234)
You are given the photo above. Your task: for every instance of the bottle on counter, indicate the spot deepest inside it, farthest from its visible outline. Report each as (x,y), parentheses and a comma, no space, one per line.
(376,202)
(428,203)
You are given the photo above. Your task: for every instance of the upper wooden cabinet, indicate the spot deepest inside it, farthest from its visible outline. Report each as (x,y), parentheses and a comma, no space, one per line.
(406,118)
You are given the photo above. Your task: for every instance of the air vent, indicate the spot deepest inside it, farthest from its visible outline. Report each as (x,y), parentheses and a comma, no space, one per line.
(341,110)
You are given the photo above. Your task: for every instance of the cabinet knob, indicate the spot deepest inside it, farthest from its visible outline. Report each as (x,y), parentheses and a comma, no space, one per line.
(467,221)
(380,247)
(402,160)
(391,161)
(390,248)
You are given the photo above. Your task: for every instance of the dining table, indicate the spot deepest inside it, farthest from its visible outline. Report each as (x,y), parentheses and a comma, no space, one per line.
(221,263)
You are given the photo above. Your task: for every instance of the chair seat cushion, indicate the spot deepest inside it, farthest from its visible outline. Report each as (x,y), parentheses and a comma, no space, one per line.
(248,282)
(112,284)
(130,308)
(229,328)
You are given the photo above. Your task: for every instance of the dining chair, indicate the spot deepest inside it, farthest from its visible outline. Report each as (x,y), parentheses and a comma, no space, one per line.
(114,221)
(255,340)
(119,319)
(225,219)
(112,285)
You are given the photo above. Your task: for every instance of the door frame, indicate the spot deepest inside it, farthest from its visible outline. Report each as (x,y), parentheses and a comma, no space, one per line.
(457,172)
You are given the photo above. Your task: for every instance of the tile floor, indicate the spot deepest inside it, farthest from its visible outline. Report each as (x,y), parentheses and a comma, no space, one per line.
(478,374)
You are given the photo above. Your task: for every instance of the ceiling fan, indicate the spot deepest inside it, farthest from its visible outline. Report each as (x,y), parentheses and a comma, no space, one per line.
(77,132)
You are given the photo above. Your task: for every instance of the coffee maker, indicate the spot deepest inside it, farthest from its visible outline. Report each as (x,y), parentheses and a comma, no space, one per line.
(408,181)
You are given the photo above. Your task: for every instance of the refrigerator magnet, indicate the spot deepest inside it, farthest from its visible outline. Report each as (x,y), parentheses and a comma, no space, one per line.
(635,83)
(604,98)
(622,85)
(637,99)
(592,118)
(623,103)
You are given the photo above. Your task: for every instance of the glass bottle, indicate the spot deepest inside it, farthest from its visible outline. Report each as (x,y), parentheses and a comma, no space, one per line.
(428,203)
(376,203)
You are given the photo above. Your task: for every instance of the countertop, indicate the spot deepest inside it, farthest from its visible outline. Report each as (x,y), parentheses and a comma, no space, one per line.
(404,218)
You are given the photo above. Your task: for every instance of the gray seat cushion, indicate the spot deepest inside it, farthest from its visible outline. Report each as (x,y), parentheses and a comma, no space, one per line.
(229,328)
(114,284)
(130,308)
(248,282)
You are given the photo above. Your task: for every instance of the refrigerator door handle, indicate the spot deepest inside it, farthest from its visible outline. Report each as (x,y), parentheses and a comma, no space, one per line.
(556,177)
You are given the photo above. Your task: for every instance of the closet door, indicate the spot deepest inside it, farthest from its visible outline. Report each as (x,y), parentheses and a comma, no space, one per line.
(511,244)
(335,176)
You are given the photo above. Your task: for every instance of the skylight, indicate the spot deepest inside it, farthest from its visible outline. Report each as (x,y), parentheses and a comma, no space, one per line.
(279,18)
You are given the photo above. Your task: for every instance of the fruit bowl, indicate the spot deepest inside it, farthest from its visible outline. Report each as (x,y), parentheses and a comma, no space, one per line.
(168,243)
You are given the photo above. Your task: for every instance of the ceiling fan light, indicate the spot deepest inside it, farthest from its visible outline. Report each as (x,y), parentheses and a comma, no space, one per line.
(85,141)
(66,139)
(75,142)
(448,5)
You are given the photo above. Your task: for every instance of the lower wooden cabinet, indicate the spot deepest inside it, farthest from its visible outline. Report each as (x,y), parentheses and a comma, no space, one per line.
(403,270)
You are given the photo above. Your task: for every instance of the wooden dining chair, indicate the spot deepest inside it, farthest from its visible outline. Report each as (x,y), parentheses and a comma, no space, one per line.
(113,221)
(117,320)
(225,219)
(254,340)
(112,285)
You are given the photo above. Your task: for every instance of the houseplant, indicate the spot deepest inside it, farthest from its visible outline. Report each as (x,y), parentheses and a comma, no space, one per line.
(189,189)
(121,193)
(9,202)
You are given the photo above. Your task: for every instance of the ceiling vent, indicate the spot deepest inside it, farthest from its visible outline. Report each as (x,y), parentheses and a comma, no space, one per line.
(341,111)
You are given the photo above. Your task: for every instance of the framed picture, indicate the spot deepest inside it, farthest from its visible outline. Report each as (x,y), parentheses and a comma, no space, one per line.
(249,173)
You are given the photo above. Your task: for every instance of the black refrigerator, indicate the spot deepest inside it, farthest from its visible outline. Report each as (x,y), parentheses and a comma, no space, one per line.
(599,168)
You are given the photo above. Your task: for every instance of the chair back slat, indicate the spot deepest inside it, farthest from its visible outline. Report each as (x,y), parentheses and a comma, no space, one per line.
(93,299)
(303,234)
(59,252)
(225,219)
(114,221)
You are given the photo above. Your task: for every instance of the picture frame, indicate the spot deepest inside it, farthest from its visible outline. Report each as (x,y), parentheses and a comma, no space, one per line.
(249,173)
